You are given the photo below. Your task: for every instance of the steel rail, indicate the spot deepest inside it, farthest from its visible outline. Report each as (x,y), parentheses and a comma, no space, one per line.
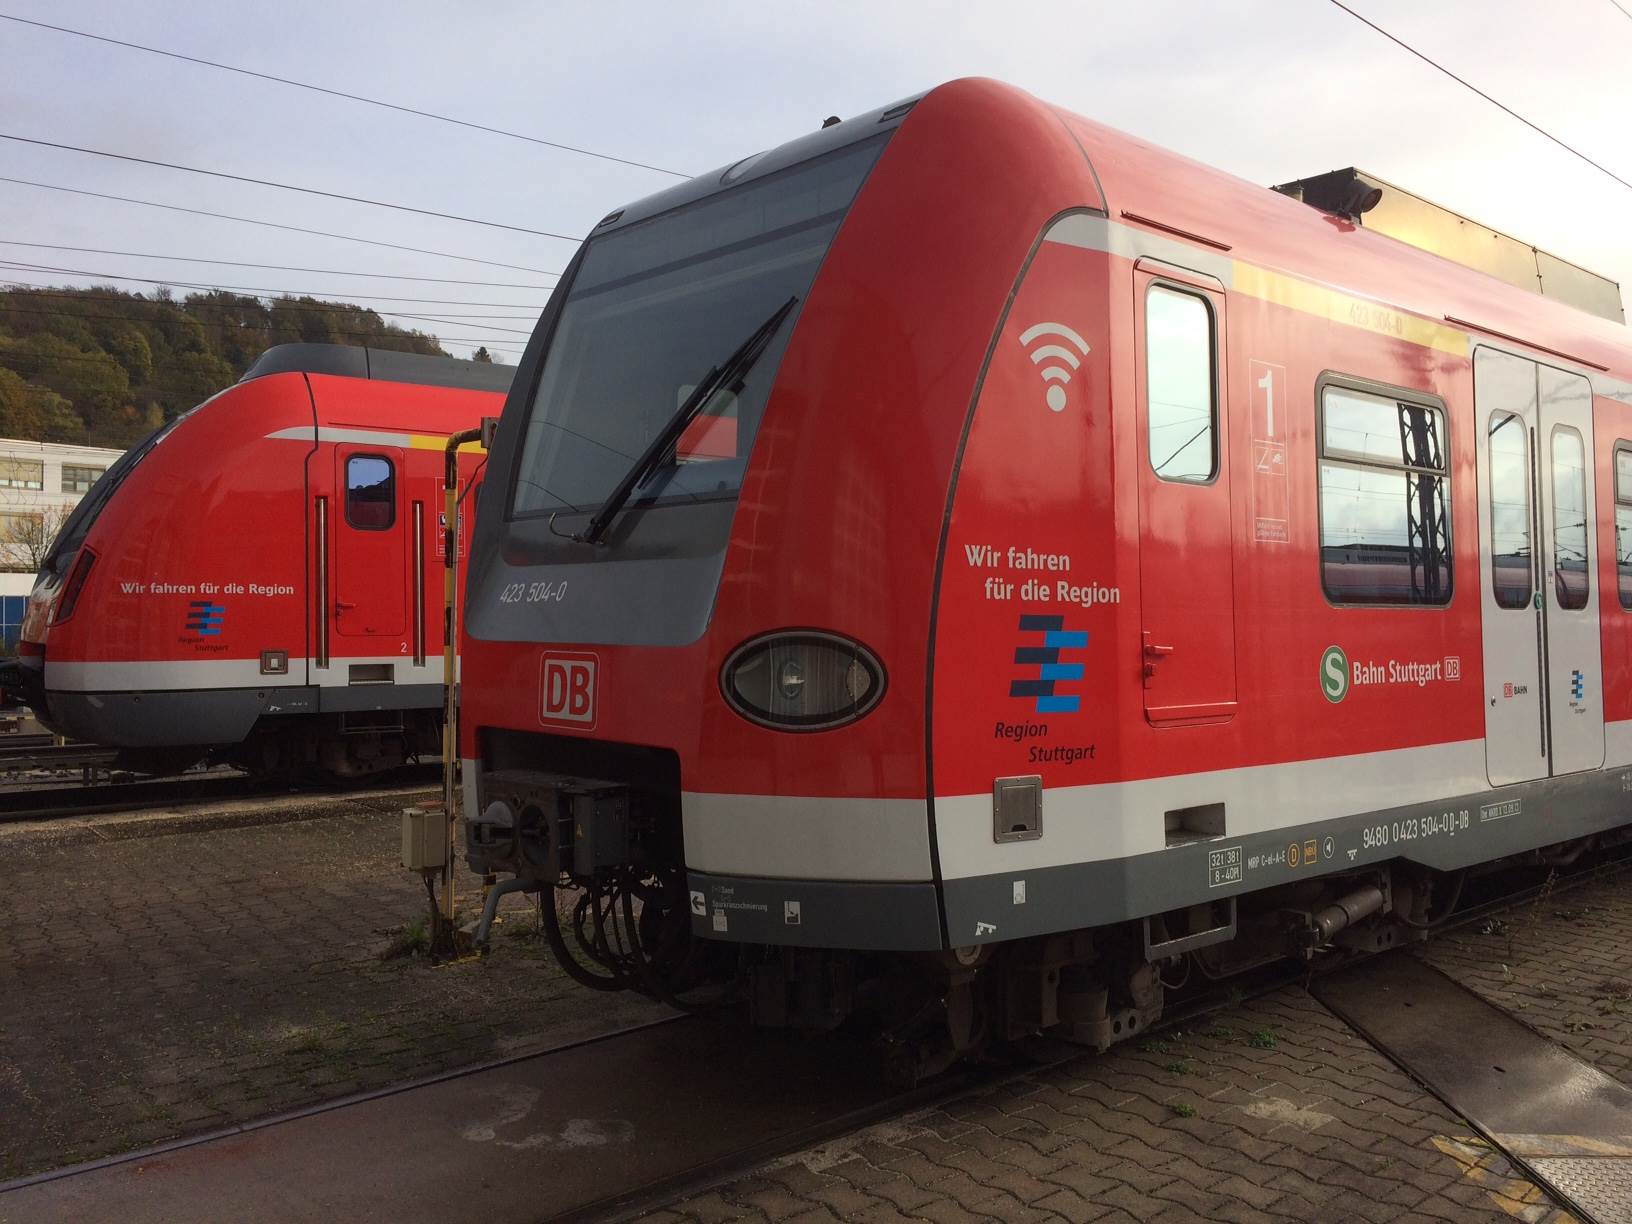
(54,803)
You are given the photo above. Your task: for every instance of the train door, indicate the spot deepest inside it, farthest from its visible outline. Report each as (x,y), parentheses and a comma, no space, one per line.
(1575,706)
(1543,714)
(370,559)
(1186,570)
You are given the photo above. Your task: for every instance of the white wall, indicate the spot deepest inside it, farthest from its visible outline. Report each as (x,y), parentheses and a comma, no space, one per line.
(50,500)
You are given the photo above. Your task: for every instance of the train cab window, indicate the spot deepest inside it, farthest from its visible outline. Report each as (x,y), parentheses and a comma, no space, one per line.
(371,492)
(1623,521)
(1180,385)
(1571,581)
(1512,557)
(1385,518)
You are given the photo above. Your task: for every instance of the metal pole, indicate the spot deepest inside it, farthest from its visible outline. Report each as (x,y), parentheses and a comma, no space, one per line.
(450,641)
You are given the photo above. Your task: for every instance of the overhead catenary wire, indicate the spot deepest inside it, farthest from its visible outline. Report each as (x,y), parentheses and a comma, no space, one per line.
(19,266)
(277,225)
(273,327)
(287,303)
(238,263)
(273,183)
(8,308)
(1438,67)
(339,93)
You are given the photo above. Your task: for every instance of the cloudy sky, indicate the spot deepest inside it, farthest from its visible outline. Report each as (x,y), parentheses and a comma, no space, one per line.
(1267,89)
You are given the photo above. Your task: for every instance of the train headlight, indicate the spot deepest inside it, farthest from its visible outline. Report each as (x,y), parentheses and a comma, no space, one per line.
(802,680)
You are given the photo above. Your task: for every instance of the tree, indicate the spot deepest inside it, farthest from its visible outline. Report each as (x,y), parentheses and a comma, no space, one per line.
(28,536)
(131,349)
(482,354)
(102,366)
(33,412)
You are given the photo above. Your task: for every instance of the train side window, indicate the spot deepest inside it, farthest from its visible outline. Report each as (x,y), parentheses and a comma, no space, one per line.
(1623,521)
(1571,581)
(1385,517)
(371,492)
(1512,558)
(1181,385)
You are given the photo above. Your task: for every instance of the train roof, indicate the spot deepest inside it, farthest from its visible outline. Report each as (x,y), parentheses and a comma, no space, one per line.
(381,365)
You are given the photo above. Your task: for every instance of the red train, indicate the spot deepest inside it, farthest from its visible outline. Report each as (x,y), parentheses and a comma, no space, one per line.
(1113,567)
(261,579)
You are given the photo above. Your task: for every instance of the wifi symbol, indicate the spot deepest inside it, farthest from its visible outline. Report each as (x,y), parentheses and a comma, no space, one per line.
(1056,376)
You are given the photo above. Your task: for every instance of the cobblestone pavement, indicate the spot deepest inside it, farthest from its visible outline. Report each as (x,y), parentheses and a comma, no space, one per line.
(153,986)
(1562,964)
(1271,1110)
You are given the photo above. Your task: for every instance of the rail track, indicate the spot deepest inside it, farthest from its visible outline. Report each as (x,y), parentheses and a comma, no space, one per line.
(122,795)
(823,1090)
(44,753)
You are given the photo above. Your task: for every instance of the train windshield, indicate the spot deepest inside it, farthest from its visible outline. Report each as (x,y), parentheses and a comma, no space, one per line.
(79,522)
(651,310)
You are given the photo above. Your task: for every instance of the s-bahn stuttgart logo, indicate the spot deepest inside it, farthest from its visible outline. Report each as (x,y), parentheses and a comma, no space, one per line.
(204,618)
(1334,674)
(567,689)
(1043,652)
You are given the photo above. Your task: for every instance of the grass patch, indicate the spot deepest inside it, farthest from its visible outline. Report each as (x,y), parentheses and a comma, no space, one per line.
(412,940)
(1262,1039)
(1185,1110)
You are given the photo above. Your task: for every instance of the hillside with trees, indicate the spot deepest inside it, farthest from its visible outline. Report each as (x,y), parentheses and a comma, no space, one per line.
(100,367)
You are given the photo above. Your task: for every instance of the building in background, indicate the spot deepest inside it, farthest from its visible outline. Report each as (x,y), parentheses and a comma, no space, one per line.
(40,482)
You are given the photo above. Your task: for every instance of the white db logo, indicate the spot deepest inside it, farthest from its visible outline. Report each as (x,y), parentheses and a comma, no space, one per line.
(567,689)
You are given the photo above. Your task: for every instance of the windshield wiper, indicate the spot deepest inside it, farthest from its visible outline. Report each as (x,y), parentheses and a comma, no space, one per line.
(727,376)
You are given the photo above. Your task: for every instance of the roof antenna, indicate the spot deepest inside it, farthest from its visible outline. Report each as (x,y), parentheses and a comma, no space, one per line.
(830,121)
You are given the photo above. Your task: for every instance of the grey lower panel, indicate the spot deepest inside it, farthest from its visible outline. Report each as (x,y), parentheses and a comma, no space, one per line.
(166,720)
(815,913)
(206,717)
(355,697)
(1457,832)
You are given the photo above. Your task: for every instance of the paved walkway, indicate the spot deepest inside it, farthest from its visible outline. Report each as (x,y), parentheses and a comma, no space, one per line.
(159,985)
(1272,1110)
(154,986)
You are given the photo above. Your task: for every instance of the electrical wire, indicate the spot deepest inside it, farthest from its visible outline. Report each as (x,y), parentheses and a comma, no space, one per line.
(196,301)
(19,266)
(352,335)
(237,263)
(277,225)
(336,93)
(1624,12)
(260,182)
(1475,89)
(238,325)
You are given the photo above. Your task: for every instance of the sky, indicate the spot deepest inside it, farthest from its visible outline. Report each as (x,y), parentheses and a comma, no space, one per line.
(1269,90)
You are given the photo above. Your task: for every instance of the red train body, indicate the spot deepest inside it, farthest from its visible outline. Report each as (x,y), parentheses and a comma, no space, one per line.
(262,578)
(1118,562)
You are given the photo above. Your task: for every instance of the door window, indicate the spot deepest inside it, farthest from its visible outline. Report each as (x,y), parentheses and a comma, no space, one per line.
(1511,557)
(1181,391)
(371,492)
(1623,523)
(1571,582)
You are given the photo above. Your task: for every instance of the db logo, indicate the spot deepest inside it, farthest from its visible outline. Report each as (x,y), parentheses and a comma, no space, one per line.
(567,690)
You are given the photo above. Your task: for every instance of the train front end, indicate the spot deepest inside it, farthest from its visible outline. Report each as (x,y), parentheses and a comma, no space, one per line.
(701,601)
